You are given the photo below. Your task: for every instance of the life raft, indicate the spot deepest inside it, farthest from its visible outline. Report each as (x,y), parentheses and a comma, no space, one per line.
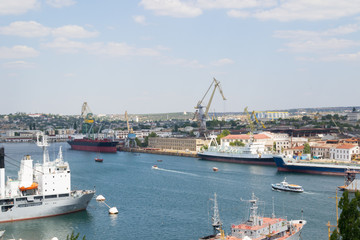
(34,185)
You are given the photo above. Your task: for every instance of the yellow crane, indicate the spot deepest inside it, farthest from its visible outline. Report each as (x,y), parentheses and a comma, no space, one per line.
(130,130)
(130,140)
(202,115)
(258,121)
(251,123)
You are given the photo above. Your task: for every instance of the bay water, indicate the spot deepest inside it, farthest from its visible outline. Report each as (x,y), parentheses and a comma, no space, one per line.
(172,202)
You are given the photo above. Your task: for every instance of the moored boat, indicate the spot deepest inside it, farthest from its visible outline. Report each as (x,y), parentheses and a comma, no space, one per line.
(258,227)
(93,145)
(285,186)
(42,190)
(289,165)
(252,153)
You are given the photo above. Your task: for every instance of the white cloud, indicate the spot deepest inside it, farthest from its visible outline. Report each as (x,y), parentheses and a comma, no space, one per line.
(342,30)
(222,62)
(25,29)
(284,10)
(9,7)
(317,45)
(18,52)
(140,19)
(18,65)
(60,3)
(238,14)
(310,10)
(65,45)
(112,49)
(174,8)
(237,4)
(343,57)
(182,62)
(73,31)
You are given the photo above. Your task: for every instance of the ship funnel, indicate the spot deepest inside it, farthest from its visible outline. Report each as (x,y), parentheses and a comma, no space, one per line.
(2,172)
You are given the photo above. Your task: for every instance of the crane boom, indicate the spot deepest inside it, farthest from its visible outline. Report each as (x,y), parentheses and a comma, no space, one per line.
(251,124)
(130,130)
(217,85)
(256,119)
(201,114)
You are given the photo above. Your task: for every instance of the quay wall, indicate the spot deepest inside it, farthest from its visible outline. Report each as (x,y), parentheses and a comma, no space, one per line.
(160,152)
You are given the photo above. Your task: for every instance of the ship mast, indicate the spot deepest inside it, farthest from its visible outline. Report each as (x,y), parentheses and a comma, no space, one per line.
(216,222)
(43,143)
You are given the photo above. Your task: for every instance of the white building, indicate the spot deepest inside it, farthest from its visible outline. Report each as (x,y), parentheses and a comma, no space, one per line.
(344,152)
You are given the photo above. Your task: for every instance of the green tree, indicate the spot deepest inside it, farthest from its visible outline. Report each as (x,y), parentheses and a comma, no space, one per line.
(349,221)
(307,149)
(221,135)
(237,143)
(74,237)
(274,147)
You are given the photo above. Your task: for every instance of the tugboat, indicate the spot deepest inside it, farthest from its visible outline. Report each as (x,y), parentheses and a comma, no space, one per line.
(284,186)
(42,190)
(259,228)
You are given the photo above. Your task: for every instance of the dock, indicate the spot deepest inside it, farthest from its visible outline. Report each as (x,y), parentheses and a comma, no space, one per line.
(160,151)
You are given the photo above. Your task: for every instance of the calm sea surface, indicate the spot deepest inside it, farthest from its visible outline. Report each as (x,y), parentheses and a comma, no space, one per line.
(173,202)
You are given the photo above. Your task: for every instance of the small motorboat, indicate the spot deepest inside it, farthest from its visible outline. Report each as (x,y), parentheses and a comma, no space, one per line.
(155,167)
(215,169)
(284,186)
(99,160)
(159,160)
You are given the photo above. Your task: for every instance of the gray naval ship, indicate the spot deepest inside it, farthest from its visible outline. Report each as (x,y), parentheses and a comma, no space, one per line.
(41,190)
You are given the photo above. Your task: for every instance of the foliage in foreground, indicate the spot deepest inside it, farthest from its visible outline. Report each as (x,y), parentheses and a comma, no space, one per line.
(74,237)
(349,221)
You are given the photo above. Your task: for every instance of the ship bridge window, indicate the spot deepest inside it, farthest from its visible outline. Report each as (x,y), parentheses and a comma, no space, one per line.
(64,195)
(6,208)
(20,199)
(50,196)
(38,197)
(7,201)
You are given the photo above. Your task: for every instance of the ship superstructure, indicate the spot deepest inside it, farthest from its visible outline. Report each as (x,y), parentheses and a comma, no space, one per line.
(262,228)
(40,190)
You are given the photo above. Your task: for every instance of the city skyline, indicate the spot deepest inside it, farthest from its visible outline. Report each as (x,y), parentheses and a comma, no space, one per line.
(158,56)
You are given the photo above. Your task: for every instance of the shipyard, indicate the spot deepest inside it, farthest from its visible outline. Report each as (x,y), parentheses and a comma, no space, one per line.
(179,119)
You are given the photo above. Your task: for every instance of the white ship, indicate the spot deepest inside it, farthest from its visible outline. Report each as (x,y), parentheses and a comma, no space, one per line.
(42,190)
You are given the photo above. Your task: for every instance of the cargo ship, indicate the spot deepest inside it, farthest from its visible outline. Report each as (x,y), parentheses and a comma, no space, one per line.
(257,227)
(87,140)
(93,145)
(289,165)
(252,153)
(41,189)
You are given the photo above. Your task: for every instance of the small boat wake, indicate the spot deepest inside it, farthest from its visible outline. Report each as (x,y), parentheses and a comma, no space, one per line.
(179,172)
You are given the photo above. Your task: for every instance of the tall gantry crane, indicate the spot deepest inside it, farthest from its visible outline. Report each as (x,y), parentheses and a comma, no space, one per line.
(86,119)
(251,122)
(130,139)
(202,115)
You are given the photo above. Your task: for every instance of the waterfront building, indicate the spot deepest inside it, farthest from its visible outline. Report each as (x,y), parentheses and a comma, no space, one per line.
(182,144)
(344,152)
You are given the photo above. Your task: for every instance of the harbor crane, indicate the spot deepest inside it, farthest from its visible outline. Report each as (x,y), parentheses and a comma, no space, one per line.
(130,139)
(251,122)
(201,115)
(86,119)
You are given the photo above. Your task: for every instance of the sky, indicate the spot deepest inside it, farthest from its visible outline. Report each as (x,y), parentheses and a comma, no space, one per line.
(158,56)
